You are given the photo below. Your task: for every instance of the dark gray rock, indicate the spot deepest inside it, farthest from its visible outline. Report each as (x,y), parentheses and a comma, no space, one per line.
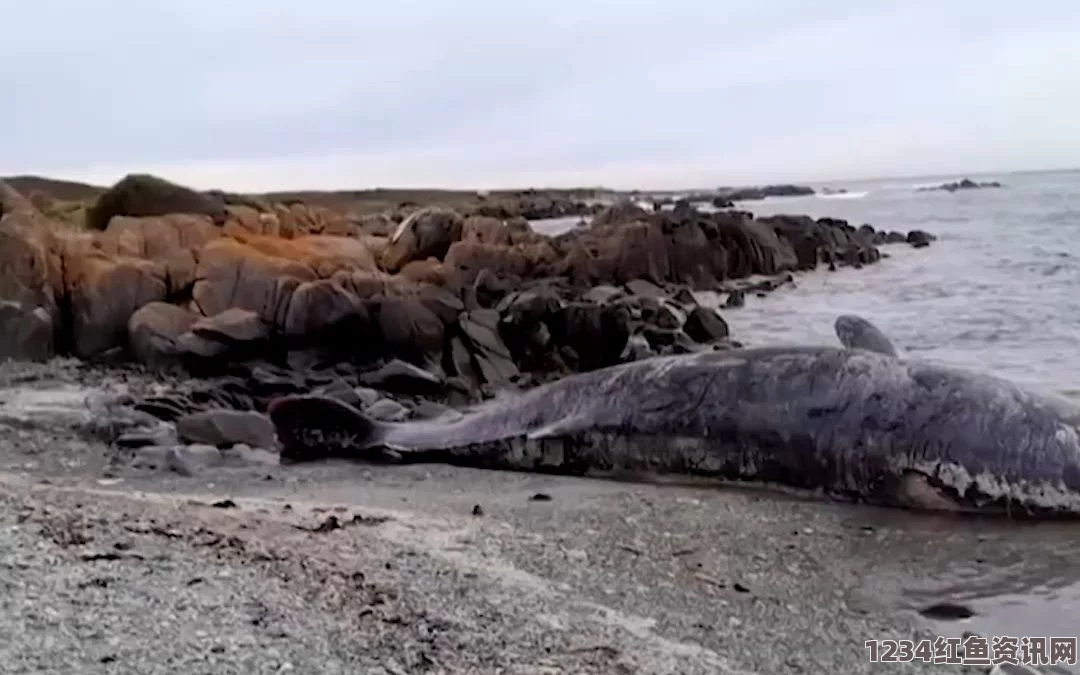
(430,410)
(704,325)
(388,410)
(233,326)
(668,316)
(154,330)
(401,376)
(160,435)
(490,356)
(185,460)
(26,334)
(736,298)
(602,294)
(223,428)
(367,395)
(645,288)
(920,238)
(245,455)
(637,347)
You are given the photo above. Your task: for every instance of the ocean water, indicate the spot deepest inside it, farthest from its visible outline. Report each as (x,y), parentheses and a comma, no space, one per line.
(999,291)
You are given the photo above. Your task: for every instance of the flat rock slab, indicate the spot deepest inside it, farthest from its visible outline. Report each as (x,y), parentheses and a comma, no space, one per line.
(224,428)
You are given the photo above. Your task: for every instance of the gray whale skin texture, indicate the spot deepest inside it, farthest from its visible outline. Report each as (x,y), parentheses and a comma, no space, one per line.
(852,424)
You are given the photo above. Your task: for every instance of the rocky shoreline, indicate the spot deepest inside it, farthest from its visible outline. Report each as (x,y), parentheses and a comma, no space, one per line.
(228,302)
(151,325)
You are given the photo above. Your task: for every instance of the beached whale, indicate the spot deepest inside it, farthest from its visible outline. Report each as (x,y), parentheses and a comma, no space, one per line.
(852,423)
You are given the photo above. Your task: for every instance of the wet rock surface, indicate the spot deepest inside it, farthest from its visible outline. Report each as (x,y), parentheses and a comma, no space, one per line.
(964,184)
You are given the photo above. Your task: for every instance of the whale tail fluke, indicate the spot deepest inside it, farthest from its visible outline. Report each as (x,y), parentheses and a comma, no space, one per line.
(312,427)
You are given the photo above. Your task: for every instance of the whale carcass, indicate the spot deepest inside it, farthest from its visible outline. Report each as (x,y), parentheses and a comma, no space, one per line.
(850,423)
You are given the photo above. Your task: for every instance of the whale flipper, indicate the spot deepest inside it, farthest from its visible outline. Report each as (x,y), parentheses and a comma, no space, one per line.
(561,427)
(311,426)
(856,332)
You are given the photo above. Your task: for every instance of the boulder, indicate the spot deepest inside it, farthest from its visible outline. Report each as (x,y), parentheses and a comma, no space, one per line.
(919,238)
(441,302)
(233,327)
(29,270)
(153,331)
(705,325)
(101,295)
(427,271)
(156,237)
(225,428)
(388,410)
(410,330)
(317,307)
(296,218)
(26,334)
(617,214)
(233,274)
(465,260)
(596,335)
(490,359)
(425,233)
(145,195)
(486,230)
(402,377)
(322,254)
(377,224)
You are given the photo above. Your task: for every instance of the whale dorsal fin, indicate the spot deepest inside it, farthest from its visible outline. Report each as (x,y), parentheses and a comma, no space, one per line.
(856,332)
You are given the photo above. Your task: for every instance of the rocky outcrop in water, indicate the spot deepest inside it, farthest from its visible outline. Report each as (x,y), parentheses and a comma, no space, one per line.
(762,192)
(965,184)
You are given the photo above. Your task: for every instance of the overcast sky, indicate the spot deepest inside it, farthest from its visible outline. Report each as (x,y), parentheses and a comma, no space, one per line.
(262,94)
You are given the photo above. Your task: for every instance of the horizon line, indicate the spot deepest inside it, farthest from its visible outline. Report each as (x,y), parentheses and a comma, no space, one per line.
(570,188)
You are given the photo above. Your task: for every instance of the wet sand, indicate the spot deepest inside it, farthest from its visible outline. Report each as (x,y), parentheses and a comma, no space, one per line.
(445,570)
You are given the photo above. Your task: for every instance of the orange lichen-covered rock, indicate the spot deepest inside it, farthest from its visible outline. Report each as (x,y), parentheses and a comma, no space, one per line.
(234,274)
(249,219)
(466,259)
(156,237)
(323,254)
(486,230)
(102,294)
(25,262)
(429,271)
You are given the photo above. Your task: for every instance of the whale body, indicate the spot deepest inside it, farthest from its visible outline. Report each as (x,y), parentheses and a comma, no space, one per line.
(851,424)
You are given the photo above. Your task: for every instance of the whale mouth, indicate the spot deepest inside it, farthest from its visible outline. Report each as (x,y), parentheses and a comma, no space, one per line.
(918,490)
(953,490)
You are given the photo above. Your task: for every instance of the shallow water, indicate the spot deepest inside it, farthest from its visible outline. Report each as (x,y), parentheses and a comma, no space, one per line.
(997,292)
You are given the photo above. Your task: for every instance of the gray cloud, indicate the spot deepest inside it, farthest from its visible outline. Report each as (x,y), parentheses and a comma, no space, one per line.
(257,94)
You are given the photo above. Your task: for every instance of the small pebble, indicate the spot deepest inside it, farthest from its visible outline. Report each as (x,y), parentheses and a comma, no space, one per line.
(947,611)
